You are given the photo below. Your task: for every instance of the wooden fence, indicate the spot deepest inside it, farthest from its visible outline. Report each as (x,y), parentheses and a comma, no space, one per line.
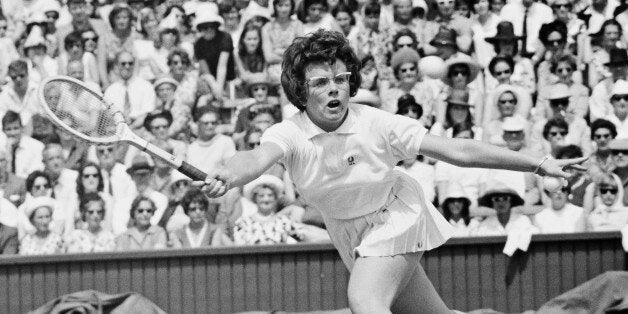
(469,273)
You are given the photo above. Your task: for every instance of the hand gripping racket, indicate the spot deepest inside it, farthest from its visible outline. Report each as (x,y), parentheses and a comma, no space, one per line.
(82,111)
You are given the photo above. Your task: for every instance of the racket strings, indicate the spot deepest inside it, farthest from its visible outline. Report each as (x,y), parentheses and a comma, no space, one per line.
(79,109)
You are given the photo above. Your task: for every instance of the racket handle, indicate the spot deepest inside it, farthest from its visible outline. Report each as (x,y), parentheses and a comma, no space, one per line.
(192,172)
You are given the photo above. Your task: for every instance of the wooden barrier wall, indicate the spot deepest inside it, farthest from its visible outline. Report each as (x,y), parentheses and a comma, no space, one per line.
(469,273)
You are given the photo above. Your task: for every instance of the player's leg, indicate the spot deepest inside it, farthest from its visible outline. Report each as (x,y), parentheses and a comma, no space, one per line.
(375,282)
(419,296)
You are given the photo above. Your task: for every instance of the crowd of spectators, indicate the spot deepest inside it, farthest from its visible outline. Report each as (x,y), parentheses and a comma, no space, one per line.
(202,80)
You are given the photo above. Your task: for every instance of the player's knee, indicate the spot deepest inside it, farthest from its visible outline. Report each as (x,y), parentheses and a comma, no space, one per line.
(360,302)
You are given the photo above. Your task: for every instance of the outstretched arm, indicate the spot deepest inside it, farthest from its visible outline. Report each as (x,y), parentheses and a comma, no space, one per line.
(241,169)
(472,153)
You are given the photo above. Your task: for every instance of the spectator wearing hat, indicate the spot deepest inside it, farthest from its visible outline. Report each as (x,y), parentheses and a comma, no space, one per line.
(455,208)
(202,229)
(599,102)
(532,14)
(502,199)
(561,216)
(38,184)
(41,65)
(166,92)
(598,12)
(112,43)
(506,44)
(81,21)
(600,162)
(578,132)
(186,76)
(142,172)
(20,94)
(501,68)
(457,113)
(619,153)
(257,89)
(609,214)
(483,25)
(506,100)
(444,43)
(214,50)
(132,95)
(142,234)
(600,49)
(8,52)
(39,212)
(210,150)
(461,24)
(405,66)
(563,71)
(174,218)
(460,73)
(619,101)
(553,36)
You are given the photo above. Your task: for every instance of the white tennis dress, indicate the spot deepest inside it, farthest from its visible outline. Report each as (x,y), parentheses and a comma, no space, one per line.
(369,208)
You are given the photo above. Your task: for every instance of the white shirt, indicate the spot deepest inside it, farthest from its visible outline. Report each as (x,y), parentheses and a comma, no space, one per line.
(27,107)
(8,53)
(346,173)
(461,229)
(67,199)
(597,19)
(621,126)
(569,219)
(491,226)
(123,190)
(538,14)
(28,156)
(470,179)
(210,155)
(141,96)
(600,102)
(484,51)
(605,218)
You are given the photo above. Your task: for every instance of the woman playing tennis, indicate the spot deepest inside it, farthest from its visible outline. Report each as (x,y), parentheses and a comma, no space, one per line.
(341,158)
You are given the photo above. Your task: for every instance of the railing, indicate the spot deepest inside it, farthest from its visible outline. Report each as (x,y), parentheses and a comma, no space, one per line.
(469,273)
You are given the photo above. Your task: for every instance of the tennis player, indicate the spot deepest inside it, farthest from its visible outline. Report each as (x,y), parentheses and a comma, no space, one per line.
(341,158)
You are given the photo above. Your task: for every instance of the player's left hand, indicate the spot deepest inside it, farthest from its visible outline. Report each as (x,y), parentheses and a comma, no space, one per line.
(558,167)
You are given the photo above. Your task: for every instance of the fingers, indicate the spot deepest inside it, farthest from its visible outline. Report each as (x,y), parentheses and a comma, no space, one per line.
(213,186)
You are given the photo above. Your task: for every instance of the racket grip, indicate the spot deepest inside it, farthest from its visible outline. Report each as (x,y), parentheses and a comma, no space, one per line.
(192,172)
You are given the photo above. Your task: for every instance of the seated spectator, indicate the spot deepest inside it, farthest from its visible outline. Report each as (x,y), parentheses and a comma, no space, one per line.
(502,200)
(63,184)
(580,184)
(460,73)
(20,96)
(554,132)
(619,101)
(142,172)
(12,188)
(619,153)
(610,214)
(157,123)
(40,63)
(75,51)
(25,152)
(553,36)
(457,114)
(455,208)
(38,185)
(316,16)
(43,241)
(182,71)
(202,229)
(561,216)
(506,101)
(408,107)
(174,218)
(257,89)
(599,103)
(93,238)
(8,231)
(501,68)
(89,181)
(165,89)
(250,56)
(141,234)
(564,69)
(210,150)
(600,162)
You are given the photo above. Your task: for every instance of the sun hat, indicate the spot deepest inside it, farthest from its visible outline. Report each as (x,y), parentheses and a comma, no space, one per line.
(559,91)
(165,79)
(459,97)
(455,191)
(207,16)
(460,58)
(505,31)
(35,38)
(37,202)
(513,124)
(499,188)
(617,57)
(620,88)
(140,163)
(257,78)
(265,179)
(404,55)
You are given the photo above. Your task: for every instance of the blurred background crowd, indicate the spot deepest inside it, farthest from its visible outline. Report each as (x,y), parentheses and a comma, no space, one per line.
(201,79)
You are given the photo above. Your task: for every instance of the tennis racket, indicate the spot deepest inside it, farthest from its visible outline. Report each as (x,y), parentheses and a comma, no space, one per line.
(80,110)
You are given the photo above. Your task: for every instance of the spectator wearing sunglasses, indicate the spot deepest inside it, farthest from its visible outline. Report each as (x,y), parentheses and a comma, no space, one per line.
(619,153)
(609,214)
(553,36)
(501,68)
(580,185)
(92,237)
(141,234)
(563,11)
(600,106)
(563,71)
(561,216)
(547,138)
(619,101)
(257,88)
(600,162)
(174,218)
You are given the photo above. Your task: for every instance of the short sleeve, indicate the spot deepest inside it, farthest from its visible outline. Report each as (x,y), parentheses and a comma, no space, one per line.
(282,134)
(405,135)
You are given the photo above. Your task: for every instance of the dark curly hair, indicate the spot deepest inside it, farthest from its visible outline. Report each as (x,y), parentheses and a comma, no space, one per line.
(117,10)
(136,202)
(603,124)
(185,58)
(404,32)
(563,58)
(557,122)
(80,189)
(194,195)
(321,46)
(498,59)
(88,198)
(30,180)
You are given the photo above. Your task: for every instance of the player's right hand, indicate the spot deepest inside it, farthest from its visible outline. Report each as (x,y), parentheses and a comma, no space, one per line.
(215,185)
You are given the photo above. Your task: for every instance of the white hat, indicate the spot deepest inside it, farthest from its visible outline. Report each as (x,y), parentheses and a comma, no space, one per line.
(36,17)
(37,202)
(207,16)
(190,7)
(267,179)
(165,79)
(169,21)
(455,190)
(620,88)
(513,124)
(420,4)
(559,91)
(255,9)
(48,6)
(459,58)
(35,38)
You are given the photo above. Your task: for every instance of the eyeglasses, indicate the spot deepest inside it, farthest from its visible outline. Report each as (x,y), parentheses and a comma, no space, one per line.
(500,198)
(504,72)
(559,103)
(513,134)
(94,38)
(508,101)
(208,122)
(41,186)
(619,151)
(103,150)
(253,144)
(563,190)
(455,73)
(142,210)
(159,126)
(182,184)
(601,136)
(555,42)
(321,82)
(608,190)
(619,97)
(90,175)
(566,70)
(256,88)
(557,6)
(126,64)
(95,212)
(404,70)
(15,77)
(197,208)
(399,46)
(562,133)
